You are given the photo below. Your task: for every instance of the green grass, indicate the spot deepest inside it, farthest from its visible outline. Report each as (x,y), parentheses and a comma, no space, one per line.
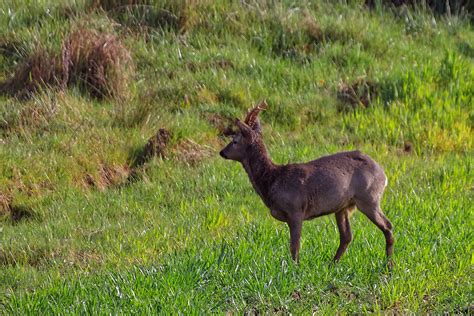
(190,235)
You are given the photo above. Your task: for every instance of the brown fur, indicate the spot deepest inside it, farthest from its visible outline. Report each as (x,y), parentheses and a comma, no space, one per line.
(303,191)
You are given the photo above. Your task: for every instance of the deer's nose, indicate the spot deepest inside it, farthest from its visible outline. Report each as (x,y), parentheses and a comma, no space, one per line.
(222,154)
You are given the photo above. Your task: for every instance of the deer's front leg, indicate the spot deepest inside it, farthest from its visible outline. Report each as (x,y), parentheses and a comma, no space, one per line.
(295,225)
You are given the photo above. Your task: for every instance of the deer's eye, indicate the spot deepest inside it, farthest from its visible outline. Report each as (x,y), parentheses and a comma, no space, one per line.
(234,142)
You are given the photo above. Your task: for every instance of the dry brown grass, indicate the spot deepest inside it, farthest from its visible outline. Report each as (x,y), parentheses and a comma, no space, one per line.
(190,152)
(107,176)
(14,213)
(359,93)
(224,125)
(117,175)
(37,113)
(83,257)
(97,61)
(156,146)
(312,27)
(5,202)
(41,69)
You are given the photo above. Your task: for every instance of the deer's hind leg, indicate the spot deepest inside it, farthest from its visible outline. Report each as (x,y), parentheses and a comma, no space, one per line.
(373,211)
(345,234)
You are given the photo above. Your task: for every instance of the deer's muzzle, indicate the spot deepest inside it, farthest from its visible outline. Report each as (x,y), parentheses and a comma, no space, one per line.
(222,154)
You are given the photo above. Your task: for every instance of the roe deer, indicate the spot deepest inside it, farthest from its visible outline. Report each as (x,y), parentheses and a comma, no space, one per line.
(303,191)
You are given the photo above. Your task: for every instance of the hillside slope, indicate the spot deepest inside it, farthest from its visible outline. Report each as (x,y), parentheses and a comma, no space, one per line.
(92,219)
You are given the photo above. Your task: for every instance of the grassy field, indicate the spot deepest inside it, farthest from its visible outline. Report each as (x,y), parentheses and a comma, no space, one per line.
(88,226)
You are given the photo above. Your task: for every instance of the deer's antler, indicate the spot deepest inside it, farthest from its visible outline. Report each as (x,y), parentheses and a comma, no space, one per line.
(252,115)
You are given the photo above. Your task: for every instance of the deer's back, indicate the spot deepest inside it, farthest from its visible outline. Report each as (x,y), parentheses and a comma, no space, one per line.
(329,183)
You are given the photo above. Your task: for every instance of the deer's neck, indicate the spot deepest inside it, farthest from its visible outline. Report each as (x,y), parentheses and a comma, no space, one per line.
(261,171)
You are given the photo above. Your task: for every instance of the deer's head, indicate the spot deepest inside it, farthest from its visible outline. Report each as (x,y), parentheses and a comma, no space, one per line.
(248,134)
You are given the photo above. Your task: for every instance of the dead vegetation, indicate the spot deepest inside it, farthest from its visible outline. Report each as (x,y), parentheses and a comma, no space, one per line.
(296,295)
(117,175)
(37,114)
(159,145)
(83,257)
(107,176)
(224,125)
(99,62)
(190,152)
(5,202)
(96,61)
(41,69)
(359,93)
(186,150)
(312,28)
(155,147)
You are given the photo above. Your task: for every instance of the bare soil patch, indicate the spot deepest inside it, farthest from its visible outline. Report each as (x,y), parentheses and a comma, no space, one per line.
(408,147)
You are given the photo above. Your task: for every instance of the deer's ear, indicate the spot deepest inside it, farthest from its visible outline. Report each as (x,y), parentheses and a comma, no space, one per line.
(244,128)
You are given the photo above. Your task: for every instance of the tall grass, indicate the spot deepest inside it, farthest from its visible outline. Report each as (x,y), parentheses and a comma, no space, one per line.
(182,231)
